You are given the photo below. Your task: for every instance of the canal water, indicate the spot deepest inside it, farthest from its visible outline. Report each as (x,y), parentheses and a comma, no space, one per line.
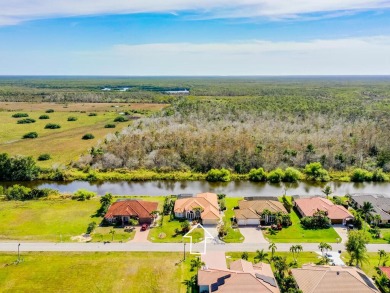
(235,188)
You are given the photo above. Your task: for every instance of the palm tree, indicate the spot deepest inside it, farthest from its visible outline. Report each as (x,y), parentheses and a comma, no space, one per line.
(366,210)
(196,263)
(265,215)
(382,255)
(324,247)
(327,191)
(295,250)
(261,256)
(112,232)
(281,266)
(377,219)
(273,248)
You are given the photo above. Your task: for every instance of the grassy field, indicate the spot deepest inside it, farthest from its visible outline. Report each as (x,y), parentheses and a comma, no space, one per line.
(94,272)
(233,235)
(55,220)
(369,266)
(385,237)
(296,233)
(63,144)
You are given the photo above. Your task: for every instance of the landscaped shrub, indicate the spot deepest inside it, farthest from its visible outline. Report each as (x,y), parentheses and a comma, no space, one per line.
(88,136)
(91,227)
(52,126)
(109,126)
(215,175)
(49,111)
(83,194)
(92,114)
(44,157)
(72,118)
(379,176)
(287,204)
(19,115)
(315,172)
(276,175)
(26,121)
(120,119)
(361,175)
(319,220)
(44,117)
(31,135)
(291,175)
(257,175)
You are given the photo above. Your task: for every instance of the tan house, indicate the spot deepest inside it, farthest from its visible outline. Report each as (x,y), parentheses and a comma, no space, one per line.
(243,276)
(336,213)
(203,206)
(121,211)
(250,211)
(343,279)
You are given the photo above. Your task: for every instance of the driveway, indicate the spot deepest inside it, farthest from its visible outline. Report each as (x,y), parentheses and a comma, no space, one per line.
(342,231)
(140,236)
(252,235)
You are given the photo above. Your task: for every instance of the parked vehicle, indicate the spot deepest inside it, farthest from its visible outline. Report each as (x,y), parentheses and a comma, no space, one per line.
(144,227)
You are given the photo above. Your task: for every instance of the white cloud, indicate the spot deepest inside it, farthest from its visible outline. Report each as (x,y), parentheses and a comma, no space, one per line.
(14,11)
(348,56)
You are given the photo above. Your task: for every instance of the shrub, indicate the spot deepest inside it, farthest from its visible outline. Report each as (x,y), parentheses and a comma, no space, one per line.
(276,175)
(17,168)
(88,136)
(133,222)
(361,175)
(17,192)
(83,194)
(44,157)
(291,175)
(31,135)
(26,121)
(120,119)
(215,175)
(44,117)
(379,176)
(52,126)
(91,227)
(109,126)
(257,175)
(314,171)
(20,115)
(92,114)
(49,111)
(319,220)
(72,118)
(287,204)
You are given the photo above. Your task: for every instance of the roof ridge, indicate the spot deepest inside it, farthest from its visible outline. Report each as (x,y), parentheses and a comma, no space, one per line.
(320,279)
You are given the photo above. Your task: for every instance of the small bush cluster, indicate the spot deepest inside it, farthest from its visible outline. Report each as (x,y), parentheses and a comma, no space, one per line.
(83,194)
(18,192)
(72,118)
(19,115)
(52,126)
(26,121)
(44,117)
(30,135)
(109,126)
(319,220)
(120,119)
(49,111)
(44,157)
(88,136)
(92,114)
(257,175)
(218,175)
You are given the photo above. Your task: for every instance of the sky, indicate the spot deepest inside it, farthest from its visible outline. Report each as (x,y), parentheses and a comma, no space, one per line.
(188,37)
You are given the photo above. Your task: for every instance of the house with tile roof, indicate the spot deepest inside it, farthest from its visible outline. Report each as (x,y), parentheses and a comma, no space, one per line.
(121,211)
(323,279)
(336,213)
(381,205)
(243,276)
(250,211)
(203,206)
(385,271)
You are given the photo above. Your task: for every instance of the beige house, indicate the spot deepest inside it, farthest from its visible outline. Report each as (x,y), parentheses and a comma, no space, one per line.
(243,276)
(250,211)
(203,206)
(343,279)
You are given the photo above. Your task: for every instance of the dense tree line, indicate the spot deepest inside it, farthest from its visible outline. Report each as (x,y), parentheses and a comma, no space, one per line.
(17,168)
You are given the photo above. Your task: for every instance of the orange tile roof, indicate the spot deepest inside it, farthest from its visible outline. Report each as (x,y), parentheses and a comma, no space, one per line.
(208,202)
(386,271)
(131,208)
(310,205)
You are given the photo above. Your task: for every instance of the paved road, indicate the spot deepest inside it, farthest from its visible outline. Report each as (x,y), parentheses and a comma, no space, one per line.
(48,246)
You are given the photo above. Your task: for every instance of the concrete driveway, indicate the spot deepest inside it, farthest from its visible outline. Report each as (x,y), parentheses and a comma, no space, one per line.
(252,234)
(140,236)
(342,231)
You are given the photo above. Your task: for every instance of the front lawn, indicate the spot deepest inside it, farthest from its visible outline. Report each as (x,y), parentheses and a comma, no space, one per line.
(368,267)
(296,234)
(94,272)
(233,235)
(385,237)
(167,232)
(102,234)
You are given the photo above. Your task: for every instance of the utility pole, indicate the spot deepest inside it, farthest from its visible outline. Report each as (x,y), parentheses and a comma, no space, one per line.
(19,253)
(184,251)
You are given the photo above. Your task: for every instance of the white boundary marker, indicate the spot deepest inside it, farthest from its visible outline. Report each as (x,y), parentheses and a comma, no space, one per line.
(207,235)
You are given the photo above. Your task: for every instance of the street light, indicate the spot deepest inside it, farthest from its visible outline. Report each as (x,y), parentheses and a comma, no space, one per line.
(184,251)
(18,252)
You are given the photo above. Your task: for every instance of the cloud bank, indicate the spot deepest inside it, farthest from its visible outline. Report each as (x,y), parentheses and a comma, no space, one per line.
(16,11)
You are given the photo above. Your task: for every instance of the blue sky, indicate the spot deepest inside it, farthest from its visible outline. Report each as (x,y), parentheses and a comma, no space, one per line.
(263,37)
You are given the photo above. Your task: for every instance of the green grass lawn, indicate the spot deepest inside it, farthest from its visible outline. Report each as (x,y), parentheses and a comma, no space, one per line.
(368,267)
(296,234)
(233,235)
(385,237)
(166,232)
(102,234)
(94,272)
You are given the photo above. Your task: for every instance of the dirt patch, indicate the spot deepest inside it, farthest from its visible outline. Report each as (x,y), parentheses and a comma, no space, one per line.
(82,238)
